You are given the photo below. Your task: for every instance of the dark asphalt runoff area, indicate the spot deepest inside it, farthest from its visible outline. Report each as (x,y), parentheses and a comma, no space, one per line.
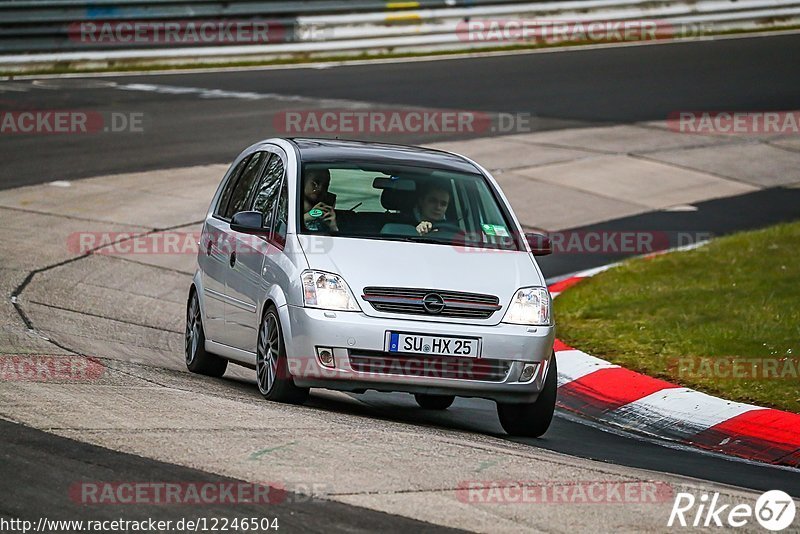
(563,89)
(42,476)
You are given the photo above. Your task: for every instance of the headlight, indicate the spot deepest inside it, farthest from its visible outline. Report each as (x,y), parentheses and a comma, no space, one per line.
(530,305)
(327,291)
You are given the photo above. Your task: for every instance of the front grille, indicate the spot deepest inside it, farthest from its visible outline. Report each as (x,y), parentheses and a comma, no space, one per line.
(384,363)
(410,300)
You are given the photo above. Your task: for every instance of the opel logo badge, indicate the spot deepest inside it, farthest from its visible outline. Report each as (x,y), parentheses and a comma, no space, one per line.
(433,303)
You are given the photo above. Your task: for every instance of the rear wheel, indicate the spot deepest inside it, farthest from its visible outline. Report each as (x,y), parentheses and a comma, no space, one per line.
(272,369)
(197,359)
(532,419)
(434,402)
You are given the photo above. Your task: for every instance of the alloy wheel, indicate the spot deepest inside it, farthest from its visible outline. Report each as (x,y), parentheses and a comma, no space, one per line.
(269,347)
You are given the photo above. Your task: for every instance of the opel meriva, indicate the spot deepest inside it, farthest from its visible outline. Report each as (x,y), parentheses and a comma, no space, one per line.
(355,266)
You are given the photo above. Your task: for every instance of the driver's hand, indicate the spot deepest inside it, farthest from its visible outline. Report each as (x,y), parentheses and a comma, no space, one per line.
(424,227)
(329,217)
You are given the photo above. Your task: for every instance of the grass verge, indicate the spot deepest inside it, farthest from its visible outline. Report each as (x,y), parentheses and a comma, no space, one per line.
(724,318)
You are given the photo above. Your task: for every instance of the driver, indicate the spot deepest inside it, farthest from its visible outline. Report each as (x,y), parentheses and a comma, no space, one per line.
(431,207)
(317,215)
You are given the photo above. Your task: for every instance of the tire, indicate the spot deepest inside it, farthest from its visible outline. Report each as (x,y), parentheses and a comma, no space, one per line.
(197,359)
(532,419)
(272,370)
(434,402)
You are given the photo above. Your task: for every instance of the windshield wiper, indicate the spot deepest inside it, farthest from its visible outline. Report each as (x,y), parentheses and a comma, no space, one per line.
(418,239)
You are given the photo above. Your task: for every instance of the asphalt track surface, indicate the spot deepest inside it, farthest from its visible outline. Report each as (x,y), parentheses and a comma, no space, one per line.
(575,88)
(46,465)
(562,89)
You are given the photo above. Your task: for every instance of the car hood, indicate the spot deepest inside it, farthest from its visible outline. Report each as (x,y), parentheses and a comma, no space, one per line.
(368,262)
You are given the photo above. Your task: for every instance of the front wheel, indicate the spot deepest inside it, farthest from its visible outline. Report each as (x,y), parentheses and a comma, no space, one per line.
(434,402)
(532,419)
(272,370)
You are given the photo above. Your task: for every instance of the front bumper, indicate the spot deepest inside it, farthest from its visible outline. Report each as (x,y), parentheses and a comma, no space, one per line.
(356,338)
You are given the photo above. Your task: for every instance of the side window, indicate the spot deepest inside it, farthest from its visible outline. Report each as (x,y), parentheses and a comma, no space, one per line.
(268,189)
(225,198)
(282,214)
(244,186)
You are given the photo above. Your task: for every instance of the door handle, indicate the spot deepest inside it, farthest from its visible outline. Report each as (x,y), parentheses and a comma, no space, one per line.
(208,248)
(233,258)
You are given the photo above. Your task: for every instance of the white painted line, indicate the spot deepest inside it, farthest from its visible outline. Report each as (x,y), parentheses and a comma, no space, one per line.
(199,91)
(681,412)
(202,92)
(14,87)
(681,207)
(691,246)
(588,273)
(573,364)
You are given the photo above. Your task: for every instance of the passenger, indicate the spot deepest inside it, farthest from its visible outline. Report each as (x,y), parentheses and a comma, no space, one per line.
(317,215)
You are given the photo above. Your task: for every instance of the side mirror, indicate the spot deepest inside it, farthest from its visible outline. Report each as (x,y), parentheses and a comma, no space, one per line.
(540,244)
(248,222)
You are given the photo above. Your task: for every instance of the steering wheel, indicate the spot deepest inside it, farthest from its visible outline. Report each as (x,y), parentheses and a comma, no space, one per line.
(446,227)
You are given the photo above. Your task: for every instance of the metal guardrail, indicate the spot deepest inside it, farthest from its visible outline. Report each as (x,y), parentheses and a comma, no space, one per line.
(42,11)
(46,25)
(325,27)
(694,14)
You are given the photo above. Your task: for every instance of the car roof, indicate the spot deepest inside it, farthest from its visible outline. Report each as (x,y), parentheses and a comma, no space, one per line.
(337,150)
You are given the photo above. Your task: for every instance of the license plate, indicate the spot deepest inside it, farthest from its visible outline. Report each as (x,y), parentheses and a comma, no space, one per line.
(434,345)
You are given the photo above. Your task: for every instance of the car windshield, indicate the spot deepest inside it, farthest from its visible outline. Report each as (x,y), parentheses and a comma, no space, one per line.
(404,203)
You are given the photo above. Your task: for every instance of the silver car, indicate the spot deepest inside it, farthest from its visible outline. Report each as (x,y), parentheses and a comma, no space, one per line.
(355,266)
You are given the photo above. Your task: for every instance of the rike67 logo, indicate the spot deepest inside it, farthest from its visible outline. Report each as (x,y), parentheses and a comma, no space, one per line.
(774,510)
